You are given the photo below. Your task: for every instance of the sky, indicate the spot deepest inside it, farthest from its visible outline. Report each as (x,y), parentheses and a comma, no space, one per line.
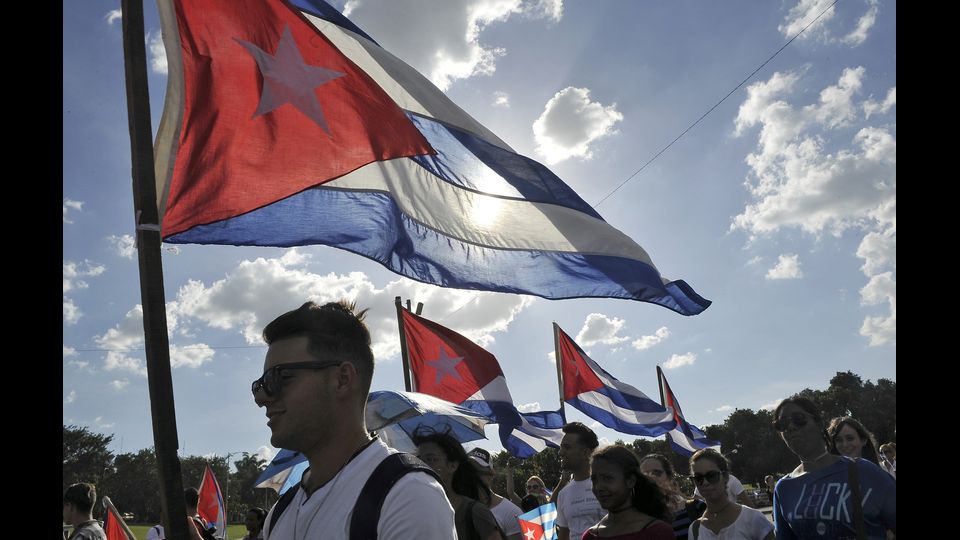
(779,206)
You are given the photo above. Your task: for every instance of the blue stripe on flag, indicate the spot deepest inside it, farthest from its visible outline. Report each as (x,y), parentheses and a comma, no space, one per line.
(325,11)
(371,224)
(623,425)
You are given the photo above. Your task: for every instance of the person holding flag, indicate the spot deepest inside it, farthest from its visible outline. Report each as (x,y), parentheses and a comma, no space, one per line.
(78,501)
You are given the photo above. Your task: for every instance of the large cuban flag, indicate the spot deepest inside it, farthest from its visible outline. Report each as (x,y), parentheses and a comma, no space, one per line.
(210,506)
(451,367)
(685,438)
(285,124)
(599,395)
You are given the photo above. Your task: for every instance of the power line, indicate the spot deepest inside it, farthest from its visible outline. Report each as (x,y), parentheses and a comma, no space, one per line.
(704,115)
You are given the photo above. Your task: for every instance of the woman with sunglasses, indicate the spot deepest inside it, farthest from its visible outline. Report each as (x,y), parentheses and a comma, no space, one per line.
(723,518)
(819,498)
(658,468)
(534,486)
(851,439)
(635,507)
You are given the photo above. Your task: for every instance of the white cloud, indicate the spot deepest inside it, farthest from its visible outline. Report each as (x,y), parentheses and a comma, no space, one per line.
(788,267)
(598,328)
(257,291)
(125,245)
(71,313)
(878,251)
(72,271)
(722,408)
(570,122)
(645,342)
(67,205)
(866,22)
(679,360)
(112,16)
(501,99)
(99,423)
(871,107)
(770,406)
(79,364)
(880,330)
(71,397)
(552,356)
(126,335)
(529,407)
(796,181)
(265,453)
(119,384)
(192,356)
(755,260)
(69,351)
(807,10)
(443,42)
(804,12)
(158,55)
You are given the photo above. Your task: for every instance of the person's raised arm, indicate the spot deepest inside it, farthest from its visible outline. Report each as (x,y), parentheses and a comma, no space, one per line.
(511,490)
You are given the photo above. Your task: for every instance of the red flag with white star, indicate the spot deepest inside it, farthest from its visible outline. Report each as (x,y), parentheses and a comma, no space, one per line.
(261,91)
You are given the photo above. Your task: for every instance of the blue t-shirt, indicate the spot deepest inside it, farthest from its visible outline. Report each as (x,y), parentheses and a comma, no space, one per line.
(817,505)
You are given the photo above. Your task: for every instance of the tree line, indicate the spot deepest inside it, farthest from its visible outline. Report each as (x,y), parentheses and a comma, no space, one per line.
(746,437)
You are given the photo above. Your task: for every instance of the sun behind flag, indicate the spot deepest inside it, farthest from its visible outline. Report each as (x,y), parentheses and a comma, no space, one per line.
(285,125)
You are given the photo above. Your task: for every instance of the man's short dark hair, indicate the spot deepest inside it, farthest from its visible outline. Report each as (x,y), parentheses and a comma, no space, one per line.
(82,496)
(333,329)
(585,435)
(192,497)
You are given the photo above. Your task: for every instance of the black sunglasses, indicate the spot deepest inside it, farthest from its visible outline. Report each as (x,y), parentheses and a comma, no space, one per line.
(269,382)
(798,419)
(710,478)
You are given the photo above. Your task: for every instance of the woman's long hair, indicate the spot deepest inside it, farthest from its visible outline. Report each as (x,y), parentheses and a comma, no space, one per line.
(647,496)
(869,450)
(675,498)
(466,481)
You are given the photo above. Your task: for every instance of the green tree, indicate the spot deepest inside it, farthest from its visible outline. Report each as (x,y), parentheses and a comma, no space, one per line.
(243,494)
(85,456)
(134,485)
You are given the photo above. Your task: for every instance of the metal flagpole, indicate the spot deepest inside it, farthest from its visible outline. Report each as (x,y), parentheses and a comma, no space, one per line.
(556,353)
(407,383)
(152,298)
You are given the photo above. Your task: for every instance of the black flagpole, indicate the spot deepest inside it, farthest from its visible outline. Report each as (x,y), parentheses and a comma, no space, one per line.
(151,273)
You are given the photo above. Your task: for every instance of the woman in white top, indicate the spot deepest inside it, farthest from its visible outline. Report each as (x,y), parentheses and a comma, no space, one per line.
(723,518)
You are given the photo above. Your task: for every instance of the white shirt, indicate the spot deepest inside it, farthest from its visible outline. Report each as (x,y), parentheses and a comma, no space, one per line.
(416,506)
(750,525)
(734,489)
(155,533)
(577,507)
(506,514)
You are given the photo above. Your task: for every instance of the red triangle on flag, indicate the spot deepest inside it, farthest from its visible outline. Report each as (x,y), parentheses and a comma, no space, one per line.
(578,376)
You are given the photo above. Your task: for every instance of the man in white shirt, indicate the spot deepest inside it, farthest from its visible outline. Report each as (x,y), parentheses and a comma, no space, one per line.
(314,388)
(577,507)
(503,510)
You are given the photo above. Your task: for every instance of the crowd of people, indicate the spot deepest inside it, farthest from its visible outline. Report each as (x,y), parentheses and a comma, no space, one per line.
(314,386)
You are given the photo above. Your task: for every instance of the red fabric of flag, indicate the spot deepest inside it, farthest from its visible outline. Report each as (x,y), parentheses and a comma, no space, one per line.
(578,376)
(111,525)
(270,108)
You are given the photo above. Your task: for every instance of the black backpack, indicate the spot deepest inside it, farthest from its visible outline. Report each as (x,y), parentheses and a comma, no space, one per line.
(205,533)
(366,511)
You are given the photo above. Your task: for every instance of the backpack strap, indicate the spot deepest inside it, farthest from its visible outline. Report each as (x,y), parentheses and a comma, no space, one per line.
(282,505)
(853,479)
(696,529)
(366,511)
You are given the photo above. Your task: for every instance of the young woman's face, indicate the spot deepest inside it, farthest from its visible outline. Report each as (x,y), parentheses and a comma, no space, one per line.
(848,442)
(610,487)
(653,470)
(711,482)
(534,487)
(434,456)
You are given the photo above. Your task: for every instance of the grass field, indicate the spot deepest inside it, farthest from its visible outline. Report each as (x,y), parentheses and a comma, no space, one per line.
(234,532)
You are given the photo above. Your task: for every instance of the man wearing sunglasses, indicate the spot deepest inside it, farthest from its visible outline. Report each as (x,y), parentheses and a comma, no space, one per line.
(314,388)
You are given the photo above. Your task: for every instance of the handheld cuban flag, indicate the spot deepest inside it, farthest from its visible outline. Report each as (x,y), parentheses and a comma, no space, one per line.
(113,524)
(599,395)
(211,507)
(538,524)
(285,125)
(451,367)
(284,471)
(685,438)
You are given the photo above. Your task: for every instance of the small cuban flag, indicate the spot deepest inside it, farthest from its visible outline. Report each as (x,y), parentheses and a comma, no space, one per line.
(538,524)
